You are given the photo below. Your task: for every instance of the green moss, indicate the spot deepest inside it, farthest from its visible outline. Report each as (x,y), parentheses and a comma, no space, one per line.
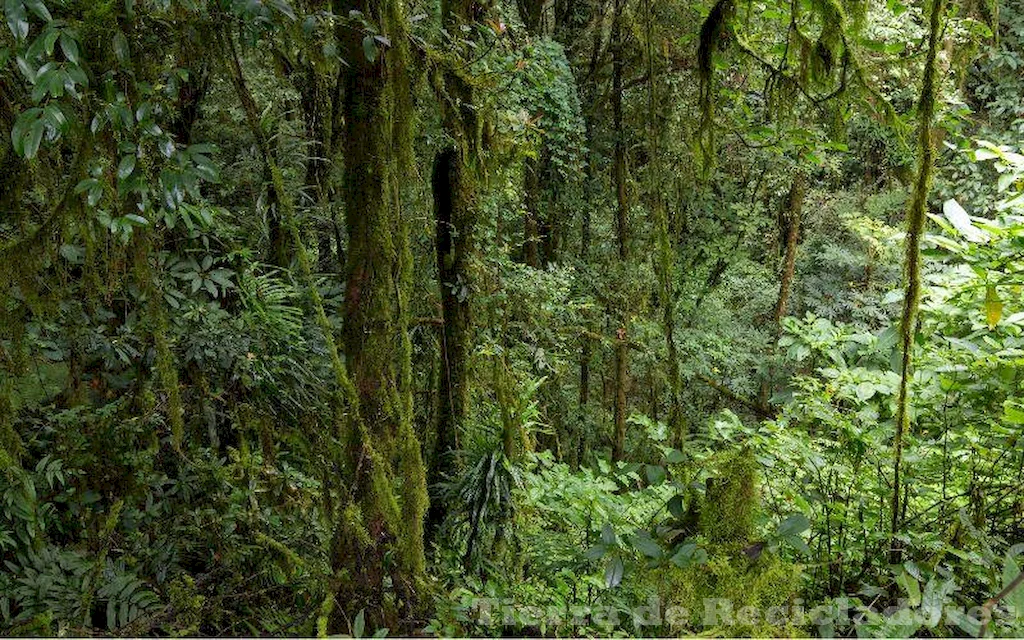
(731,502)
(290,559)
(187,605)
(388,469)
(382,484)
(10,442)
(352,523)
(728,583)
(323,618)
(380,503)
(38,626)
(168,376)
(414,502)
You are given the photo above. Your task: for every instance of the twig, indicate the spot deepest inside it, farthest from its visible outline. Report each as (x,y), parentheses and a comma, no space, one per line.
(986,609)
(735,397)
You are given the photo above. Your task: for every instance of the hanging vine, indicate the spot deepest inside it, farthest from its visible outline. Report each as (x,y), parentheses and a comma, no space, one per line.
(912,260)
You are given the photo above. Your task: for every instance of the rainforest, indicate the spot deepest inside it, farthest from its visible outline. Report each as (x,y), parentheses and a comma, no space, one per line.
(535,318)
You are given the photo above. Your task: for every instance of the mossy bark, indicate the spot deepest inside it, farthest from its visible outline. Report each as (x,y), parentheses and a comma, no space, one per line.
(710,34)
(789,221)
(378,527)
(622,232)
(10,442)
(455,178)
(389,483)
(731,500)
(665,249)
(279,249)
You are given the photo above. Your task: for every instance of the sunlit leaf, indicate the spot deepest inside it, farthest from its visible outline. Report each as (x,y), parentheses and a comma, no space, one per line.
(993,306)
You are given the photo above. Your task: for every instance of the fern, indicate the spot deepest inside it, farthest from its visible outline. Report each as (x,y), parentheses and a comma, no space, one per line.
(271,304)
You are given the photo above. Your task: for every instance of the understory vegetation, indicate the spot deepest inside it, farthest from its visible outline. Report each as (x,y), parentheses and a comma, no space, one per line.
(533,318)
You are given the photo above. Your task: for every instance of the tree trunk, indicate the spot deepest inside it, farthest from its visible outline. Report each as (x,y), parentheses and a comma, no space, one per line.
(389,482)
(571,18)
(532,14)
(912,269)
(539,222)
(789,222)
(374,448)
(455,214)
(191,94)
(279,250)
(666,251)
(622,233)
(538,226)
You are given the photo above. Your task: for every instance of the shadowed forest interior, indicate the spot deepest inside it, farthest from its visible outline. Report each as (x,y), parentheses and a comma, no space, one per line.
(495,317)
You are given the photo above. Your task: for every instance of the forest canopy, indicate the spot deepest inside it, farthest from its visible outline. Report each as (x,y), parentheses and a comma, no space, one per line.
(534,318)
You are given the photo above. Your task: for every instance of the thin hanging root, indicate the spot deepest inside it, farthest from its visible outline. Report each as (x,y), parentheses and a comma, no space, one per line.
(912,265)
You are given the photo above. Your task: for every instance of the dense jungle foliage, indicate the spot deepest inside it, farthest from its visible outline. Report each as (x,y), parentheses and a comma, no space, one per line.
(481,317)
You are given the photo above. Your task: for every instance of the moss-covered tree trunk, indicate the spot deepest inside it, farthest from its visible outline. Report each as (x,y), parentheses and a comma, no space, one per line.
(389,480)
(663,239)
(622,233)
(279,249)
(789,223)
(378,536)
(453,218)
(455,214)
(791,220)
(193,90)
